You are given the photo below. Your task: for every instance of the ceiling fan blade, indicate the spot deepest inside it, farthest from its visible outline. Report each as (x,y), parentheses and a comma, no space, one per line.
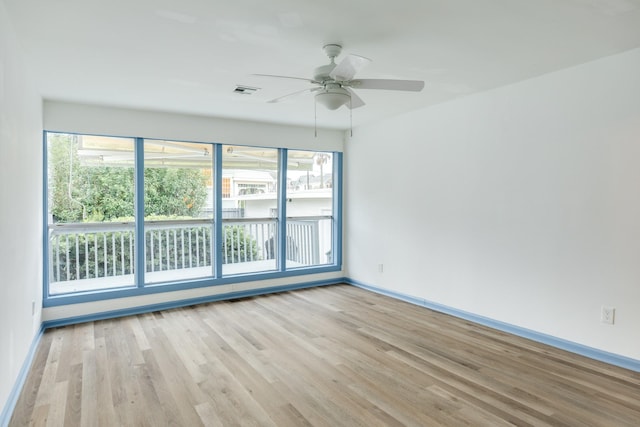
(387,84)
(348,67)
(294,94)
(356,101)
(285,77)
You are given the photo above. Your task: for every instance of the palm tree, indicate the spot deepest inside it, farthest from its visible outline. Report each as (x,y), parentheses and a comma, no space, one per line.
(321,160)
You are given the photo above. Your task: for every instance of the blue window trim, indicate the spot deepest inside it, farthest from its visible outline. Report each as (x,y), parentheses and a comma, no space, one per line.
(217,279)
(337,209)
(45,219)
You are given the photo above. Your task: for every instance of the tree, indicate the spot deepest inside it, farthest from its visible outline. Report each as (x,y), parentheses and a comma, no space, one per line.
(174,192)
(63,181)
(321,160)
(103,193)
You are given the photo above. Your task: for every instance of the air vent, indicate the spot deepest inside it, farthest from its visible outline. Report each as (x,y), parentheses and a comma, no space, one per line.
(245,90)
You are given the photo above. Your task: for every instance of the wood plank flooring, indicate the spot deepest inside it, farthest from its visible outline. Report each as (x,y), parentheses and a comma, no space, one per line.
(330,356)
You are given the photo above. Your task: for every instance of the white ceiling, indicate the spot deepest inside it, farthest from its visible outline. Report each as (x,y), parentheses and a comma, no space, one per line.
(188,55)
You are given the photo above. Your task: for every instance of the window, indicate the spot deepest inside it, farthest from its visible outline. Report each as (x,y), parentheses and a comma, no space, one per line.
(309,208)
(226,187)
(250,237)
(127,216)
(178,210)
(91,237)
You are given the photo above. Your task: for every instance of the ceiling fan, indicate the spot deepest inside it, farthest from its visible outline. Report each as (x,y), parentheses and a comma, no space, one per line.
(334,83)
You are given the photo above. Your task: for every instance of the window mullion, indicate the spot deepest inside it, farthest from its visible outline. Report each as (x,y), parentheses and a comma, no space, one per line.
(218,247)
(139,213)
(282,210)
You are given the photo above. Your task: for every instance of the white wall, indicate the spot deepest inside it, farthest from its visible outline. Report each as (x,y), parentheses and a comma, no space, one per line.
(521,204)
(100,120)
(20,209)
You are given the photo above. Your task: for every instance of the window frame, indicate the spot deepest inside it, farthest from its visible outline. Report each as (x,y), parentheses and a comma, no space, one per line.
(139,287)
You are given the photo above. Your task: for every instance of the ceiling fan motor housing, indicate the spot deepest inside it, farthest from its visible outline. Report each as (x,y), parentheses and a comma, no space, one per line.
(321,73)
(332,50)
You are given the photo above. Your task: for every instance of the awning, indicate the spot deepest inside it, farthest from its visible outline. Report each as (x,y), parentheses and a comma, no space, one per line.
(118,152)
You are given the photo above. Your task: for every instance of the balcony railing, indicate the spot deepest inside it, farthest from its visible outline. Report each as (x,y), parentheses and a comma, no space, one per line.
(89,256)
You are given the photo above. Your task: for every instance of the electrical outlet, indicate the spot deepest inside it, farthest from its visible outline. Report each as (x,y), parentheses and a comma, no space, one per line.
(607,315)
(380,268)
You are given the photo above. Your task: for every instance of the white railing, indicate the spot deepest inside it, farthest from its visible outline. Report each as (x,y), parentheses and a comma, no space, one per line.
(172,245)
(90,250)
(81,251)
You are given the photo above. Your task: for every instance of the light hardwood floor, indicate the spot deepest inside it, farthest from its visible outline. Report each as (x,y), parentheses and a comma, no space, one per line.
(330,356)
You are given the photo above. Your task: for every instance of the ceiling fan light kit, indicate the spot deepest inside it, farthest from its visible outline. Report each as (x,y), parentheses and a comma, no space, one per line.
(333,96)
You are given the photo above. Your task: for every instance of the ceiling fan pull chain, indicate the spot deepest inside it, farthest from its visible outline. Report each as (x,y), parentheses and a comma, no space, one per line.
(350,118)
(315,118)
